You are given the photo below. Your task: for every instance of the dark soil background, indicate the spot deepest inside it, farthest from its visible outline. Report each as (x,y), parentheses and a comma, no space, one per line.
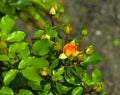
(102,19)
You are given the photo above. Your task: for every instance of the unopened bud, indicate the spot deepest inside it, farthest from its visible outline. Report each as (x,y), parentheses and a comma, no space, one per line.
(57,46)
(81,56)
(52,11)
(89,50)
(98,87)
(45,36)
(84,32)
(3,45)
(44,71)
(68,29)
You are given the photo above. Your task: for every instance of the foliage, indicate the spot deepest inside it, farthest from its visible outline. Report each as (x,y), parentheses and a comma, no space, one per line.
(52,65)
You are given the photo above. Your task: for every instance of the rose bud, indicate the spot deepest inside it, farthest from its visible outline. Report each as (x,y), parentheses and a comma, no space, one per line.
(45,36)
(98,87)
(81,56)
(57,46)
(84,32)
(89,50)
(68,29)
(44,71)
(52,11)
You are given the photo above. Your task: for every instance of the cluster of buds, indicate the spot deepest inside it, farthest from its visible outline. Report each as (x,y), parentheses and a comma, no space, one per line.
(82,55)
(70,49)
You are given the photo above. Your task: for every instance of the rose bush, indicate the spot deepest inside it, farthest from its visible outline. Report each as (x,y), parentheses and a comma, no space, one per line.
(51,65)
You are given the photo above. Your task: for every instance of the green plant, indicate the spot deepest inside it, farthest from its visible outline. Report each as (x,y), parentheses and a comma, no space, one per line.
(51,65)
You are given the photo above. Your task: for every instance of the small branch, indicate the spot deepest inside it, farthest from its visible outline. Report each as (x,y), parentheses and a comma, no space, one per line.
(52,20)
(81,43)
(66,39)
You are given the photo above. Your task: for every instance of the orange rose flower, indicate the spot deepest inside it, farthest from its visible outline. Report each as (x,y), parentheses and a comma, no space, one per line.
(70,49)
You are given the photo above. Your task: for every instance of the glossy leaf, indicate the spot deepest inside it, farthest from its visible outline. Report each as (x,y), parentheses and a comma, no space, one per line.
(31,73)
(54,63)
(34,85)
(77,91)
(4,58)
(24,53)
(60,71)
(41,47)
(40,62)
(92,59)
(57,75)
(96,75)
(26,62)
(6,91)
(51,32)
(25,92)
(38,33)
(20,4)
(10,75)
(69,77)
(16,36)
(17,47)
(6,25)
(61,88)
(46,88)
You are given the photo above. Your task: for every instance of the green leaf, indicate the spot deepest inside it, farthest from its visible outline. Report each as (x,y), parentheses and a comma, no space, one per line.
(31,73)
(17,47)
(51,32)
(78,71)
(41,47)
(34,85)
(6,25)
(34,62)
(6,91)
(20,4)
(96,75)
(24,53)
(57,75)
(25,92)
(54,63)
(77,91)
(10,76)
(61,88)
(16,36)
(4,58)
(26,62)
(38,33)
(46,88)
(69,77)
(60,71)
(92,59)
(40,62)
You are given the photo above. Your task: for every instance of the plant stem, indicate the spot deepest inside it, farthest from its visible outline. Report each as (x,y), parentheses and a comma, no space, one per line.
(66,39)
(52,20)
(81,43)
